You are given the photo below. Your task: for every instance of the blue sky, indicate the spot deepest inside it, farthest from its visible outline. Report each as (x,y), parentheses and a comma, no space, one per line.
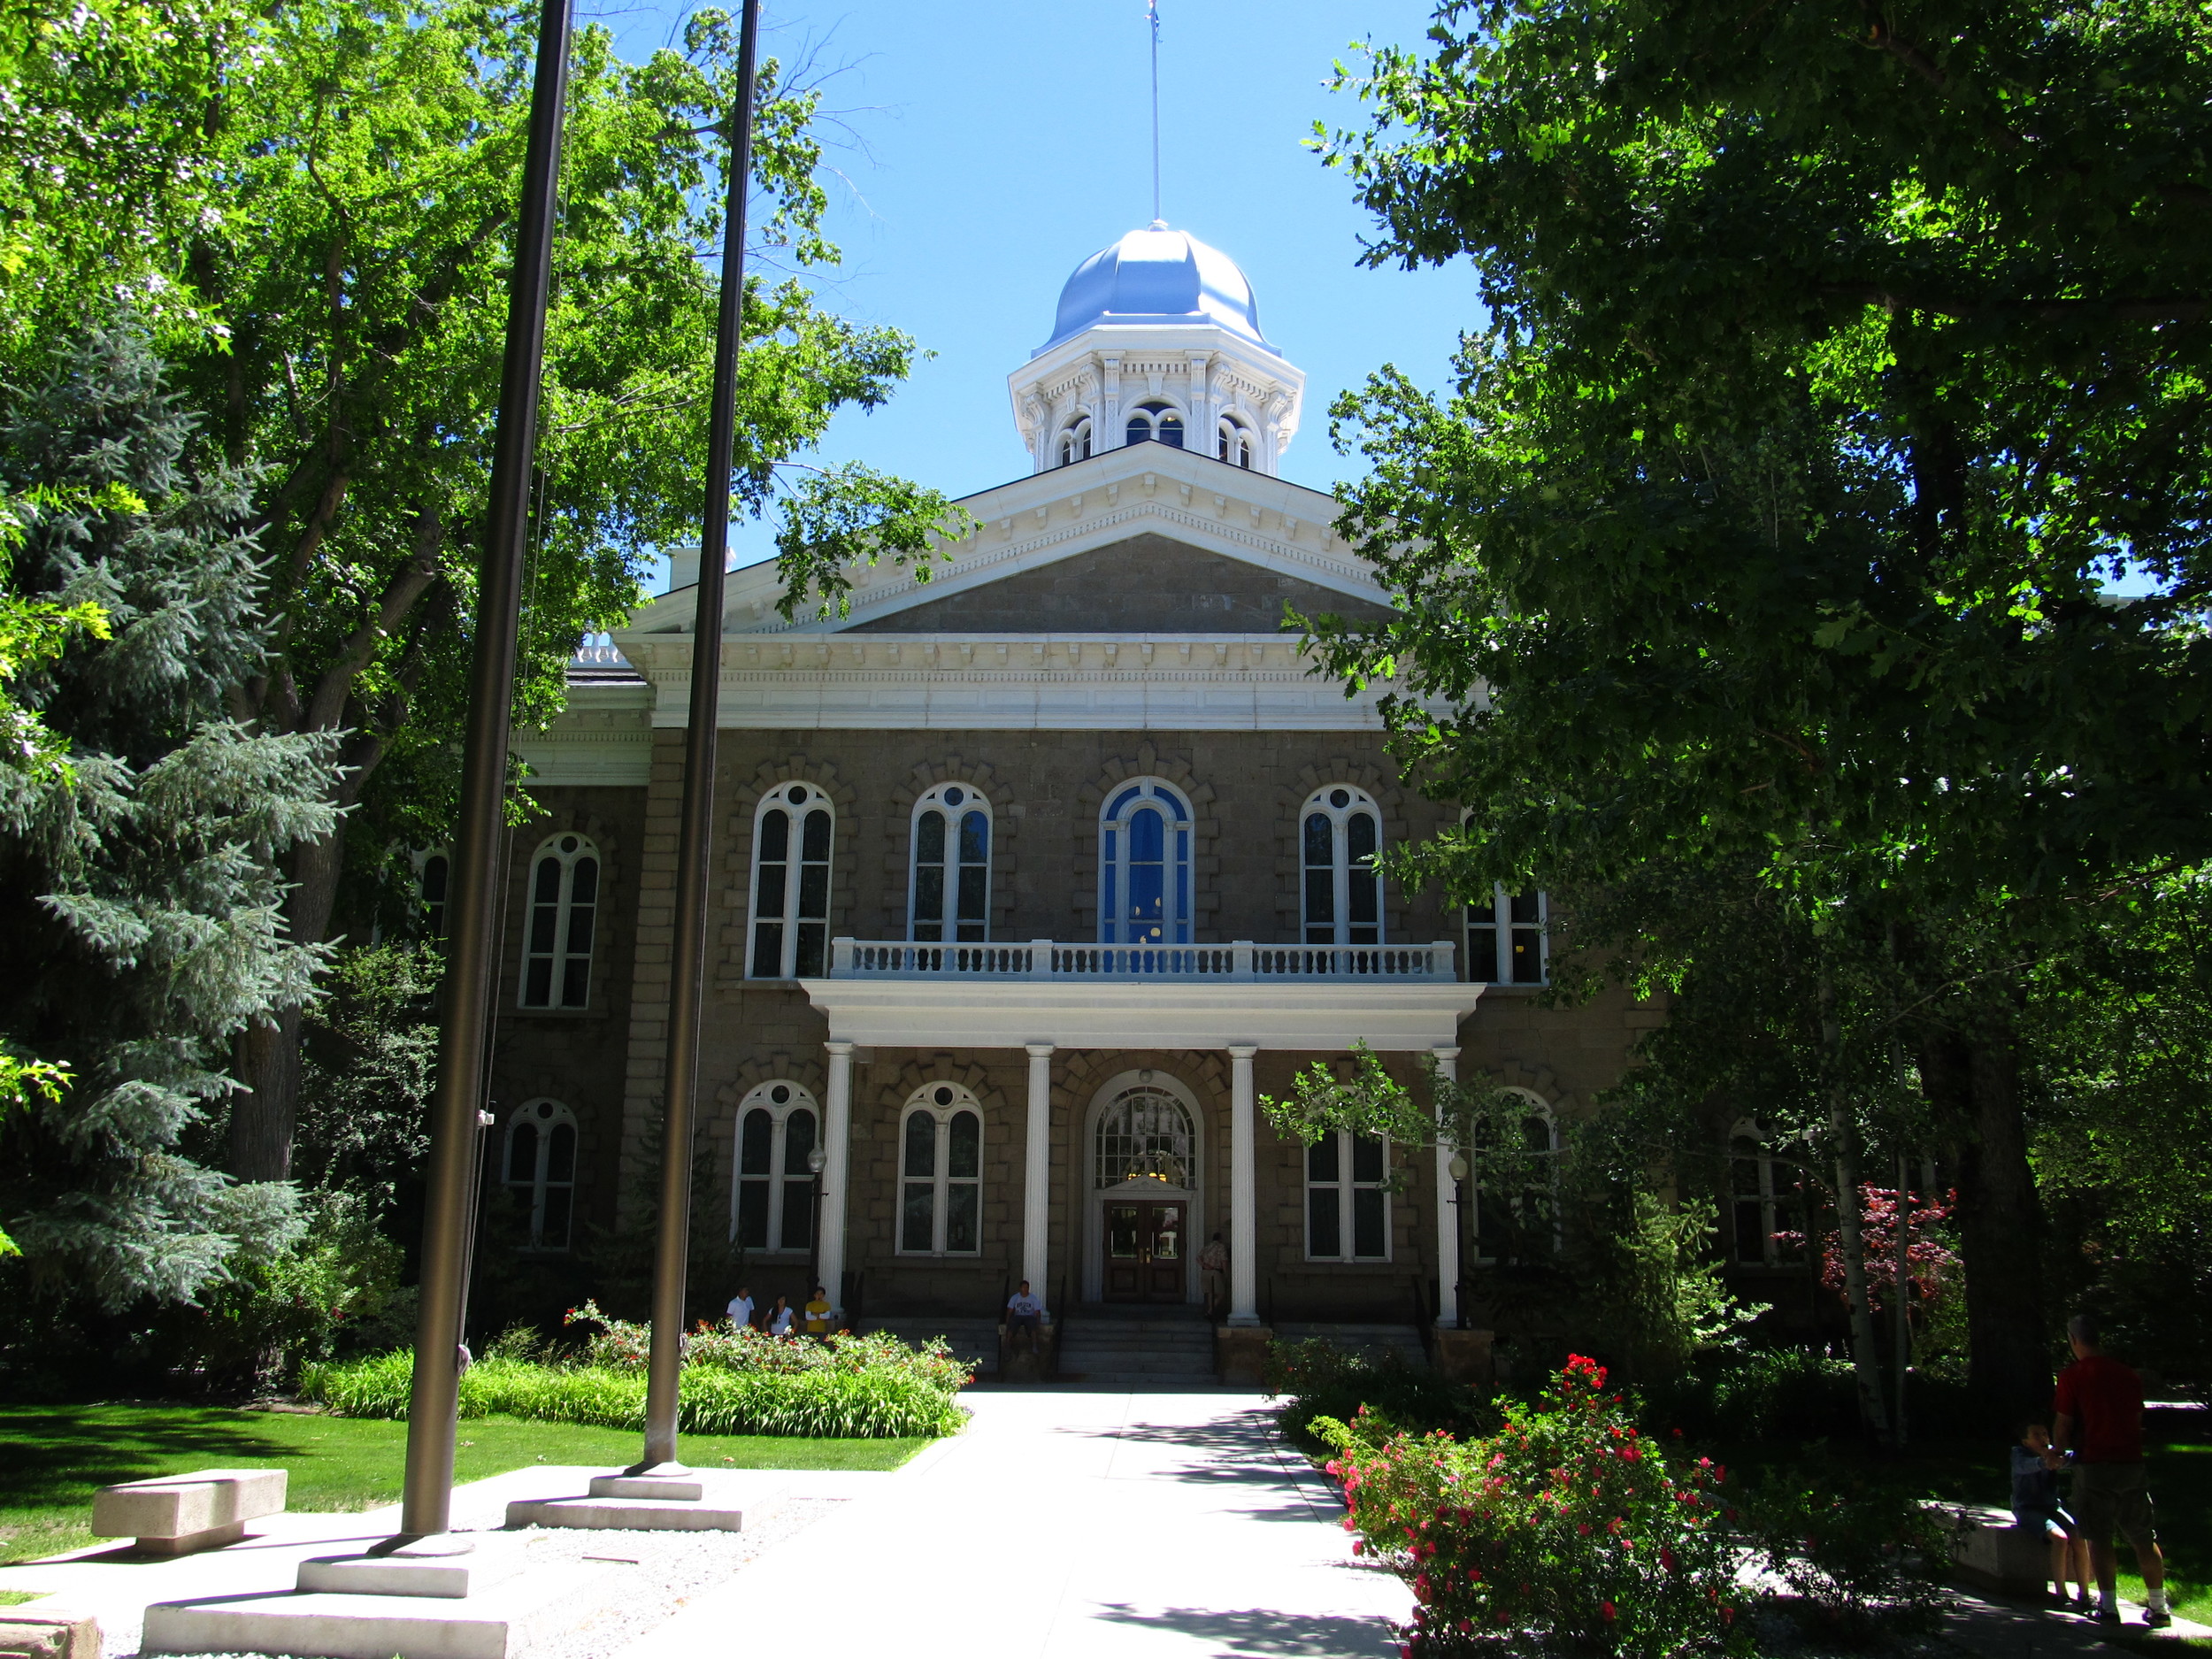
(1001,143)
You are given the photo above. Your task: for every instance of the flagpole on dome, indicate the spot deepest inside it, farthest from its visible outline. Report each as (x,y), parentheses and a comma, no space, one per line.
(1152,14)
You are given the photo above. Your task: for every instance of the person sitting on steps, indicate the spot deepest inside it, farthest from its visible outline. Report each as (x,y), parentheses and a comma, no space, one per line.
(1025,1313)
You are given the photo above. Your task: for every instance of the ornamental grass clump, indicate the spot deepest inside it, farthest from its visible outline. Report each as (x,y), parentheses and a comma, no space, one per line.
(1568,1530)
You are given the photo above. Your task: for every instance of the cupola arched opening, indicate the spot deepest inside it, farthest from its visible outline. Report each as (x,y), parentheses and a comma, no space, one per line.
(1233,443)
(1075,443)
(1155,422)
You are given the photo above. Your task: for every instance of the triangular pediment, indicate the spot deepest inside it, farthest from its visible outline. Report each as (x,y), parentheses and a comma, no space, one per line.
(1142,584)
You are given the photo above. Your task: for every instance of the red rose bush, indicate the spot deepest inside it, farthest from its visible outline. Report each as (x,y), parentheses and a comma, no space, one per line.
(1568,1528)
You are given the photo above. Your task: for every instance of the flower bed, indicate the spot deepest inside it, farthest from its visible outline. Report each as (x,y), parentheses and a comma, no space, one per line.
(734,1382)
(1568,1529)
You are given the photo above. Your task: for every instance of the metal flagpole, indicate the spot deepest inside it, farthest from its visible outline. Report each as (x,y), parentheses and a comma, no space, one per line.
(472,944)
(1152,12)
(687,970)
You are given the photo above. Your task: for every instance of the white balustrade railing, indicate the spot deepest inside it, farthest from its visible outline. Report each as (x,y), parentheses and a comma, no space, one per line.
(599,650)
(1241,961)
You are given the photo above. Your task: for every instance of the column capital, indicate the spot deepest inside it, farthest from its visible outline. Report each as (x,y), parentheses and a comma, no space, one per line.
(1039,1050)
(838,1045)
(1243,1050)
(1445,1050)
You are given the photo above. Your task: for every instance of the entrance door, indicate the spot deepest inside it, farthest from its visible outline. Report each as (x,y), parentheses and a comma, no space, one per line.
(1144,1250)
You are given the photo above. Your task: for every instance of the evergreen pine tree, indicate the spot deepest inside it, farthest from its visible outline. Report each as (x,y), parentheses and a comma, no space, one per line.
(140,890)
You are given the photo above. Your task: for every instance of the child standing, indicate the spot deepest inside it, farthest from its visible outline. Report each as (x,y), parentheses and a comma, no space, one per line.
(2035,1506)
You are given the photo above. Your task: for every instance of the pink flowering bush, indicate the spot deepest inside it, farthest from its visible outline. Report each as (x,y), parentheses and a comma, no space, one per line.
(1568,1529)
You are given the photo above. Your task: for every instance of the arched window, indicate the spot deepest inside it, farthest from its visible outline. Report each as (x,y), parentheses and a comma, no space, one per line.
(541,1170)
(1154,423)
(1340,831)
(950,896)
(1517,1191)
(1075,443)
(564,904)
(772,1205)
(1145,1138)
(1764,1198)
(1506,939)
(791,882)
(1348,1198)
(432,880)
(1233,443)
(1144,866)
(941,1172)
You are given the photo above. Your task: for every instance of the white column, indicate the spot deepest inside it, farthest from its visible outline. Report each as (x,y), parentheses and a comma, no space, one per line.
(1037,1170)
(1244,1233)
(1447,1211)
(836,1127)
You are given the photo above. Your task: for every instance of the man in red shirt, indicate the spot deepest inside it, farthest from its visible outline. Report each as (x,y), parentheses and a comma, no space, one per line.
(2098,1429)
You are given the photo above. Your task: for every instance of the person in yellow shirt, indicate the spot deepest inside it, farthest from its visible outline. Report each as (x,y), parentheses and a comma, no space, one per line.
(818,1313)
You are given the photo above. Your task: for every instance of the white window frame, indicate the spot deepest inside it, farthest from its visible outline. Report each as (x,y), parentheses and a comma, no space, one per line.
(1496,918)
(1179,894)
(777,1178)
(797,799)
(1234,443)
(1343,875)
(939,1103)
(1154,412)
(1536,1110)
(1075,443)
(952,802)
(543,1117)
(1346,1188)
(555,945)
(1772,1199)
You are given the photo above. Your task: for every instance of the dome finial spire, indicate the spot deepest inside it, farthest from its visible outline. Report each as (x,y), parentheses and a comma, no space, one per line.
(1152,12)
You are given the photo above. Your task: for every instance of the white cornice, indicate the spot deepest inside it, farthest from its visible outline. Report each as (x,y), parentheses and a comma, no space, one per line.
(999,682)
(1028,522)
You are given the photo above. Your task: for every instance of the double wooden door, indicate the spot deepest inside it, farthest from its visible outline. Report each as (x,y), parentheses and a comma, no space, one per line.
(1146,1240)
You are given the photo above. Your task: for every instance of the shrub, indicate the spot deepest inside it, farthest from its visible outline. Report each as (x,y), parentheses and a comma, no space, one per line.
(1860,1551)
(1320,1379)
(873,1387)
(1760,1395)
(1567,1528)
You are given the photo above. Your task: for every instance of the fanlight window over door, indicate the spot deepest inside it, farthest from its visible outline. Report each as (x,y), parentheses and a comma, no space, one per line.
(1145,1139)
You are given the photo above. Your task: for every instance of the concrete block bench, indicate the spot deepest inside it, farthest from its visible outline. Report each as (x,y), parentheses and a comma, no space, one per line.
(1990,1552)
(178,1514)
(27,1634)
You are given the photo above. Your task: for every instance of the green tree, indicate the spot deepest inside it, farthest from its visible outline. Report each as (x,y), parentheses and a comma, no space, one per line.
(138,883)
(1835,355)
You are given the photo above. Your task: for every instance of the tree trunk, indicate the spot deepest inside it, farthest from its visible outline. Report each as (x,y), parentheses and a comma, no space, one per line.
(1866,1360)
(1974,1078)
(264,1114)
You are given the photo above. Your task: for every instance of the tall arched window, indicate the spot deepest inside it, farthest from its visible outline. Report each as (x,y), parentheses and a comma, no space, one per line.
(1506,939)
(1233,443)
(1154,423)
(950,896)
(1348,1198)
(1516,1193)
(1144,866)
(1075,443)
(773,1207)
(941,1172)
(1764,1198)
(540,1169)
(563,904)
(791,882)
(432,882)
(1340,831)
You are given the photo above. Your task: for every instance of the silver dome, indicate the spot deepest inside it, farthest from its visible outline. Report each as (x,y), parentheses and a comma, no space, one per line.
(1157,275)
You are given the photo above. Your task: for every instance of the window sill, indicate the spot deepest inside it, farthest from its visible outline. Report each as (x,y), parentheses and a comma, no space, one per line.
(1334,1265)
(596,1011)
(1499,987)
(975,1257)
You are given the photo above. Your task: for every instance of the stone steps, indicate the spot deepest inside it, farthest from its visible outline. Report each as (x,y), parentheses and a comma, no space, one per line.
(974,1341)
(1136,1351)
(1403,1340)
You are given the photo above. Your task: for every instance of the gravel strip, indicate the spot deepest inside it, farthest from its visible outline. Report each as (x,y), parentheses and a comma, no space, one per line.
(669,1569)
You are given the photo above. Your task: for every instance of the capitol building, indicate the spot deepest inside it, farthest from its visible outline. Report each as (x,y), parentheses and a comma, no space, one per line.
(1030,879)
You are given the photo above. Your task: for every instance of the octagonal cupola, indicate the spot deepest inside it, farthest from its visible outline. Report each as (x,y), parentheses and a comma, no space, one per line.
(1156,340)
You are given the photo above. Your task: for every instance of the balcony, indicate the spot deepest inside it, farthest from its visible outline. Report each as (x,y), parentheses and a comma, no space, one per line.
(1242,962)
(899,993)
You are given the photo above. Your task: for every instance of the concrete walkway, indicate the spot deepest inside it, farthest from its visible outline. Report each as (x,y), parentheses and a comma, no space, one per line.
(1066,1525)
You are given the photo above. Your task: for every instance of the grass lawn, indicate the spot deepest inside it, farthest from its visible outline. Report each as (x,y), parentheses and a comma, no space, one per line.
(53,1458)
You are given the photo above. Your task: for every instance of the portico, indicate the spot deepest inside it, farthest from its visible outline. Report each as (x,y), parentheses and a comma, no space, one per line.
(1045,996)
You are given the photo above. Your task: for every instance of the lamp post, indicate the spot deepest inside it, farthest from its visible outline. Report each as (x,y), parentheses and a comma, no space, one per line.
(1458,1168)
(817,1161)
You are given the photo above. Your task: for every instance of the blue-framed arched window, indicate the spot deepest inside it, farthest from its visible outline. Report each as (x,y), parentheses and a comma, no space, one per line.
(1144,891)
